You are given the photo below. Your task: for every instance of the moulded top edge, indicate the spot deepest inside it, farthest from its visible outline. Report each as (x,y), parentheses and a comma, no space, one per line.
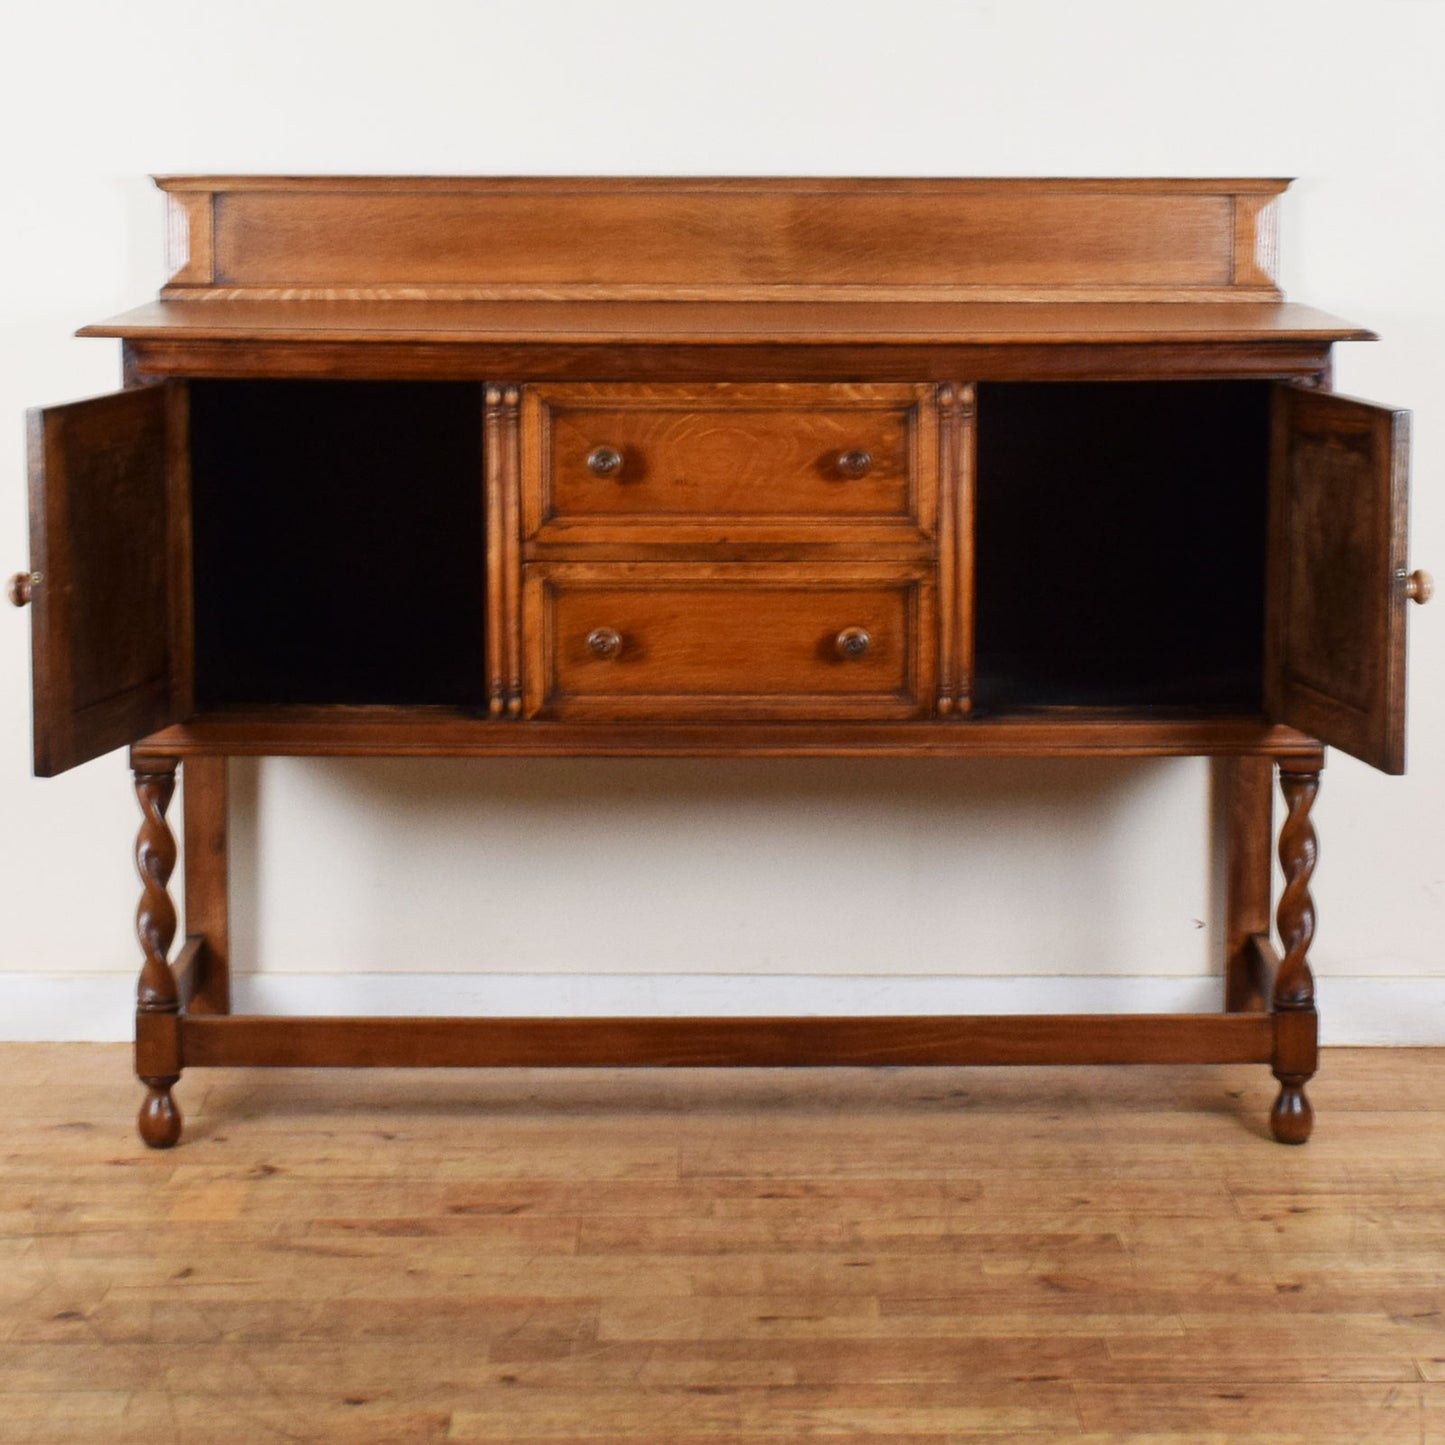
(727,323)
(559,184)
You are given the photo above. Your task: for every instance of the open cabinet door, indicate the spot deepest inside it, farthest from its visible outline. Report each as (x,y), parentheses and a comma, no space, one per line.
(1335,649)
(110,564)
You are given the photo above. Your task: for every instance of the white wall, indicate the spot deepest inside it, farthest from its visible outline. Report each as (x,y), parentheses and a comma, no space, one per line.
(821,884)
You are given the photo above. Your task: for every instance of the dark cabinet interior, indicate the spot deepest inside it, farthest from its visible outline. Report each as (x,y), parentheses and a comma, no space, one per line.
(1121,538)
(337,542)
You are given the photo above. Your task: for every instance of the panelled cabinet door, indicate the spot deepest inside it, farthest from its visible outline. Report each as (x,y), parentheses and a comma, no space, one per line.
(1335,650)
(109,548)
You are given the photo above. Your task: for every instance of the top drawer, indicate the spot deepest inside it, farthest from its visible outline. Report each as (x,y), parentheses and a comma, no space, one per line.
(729,462)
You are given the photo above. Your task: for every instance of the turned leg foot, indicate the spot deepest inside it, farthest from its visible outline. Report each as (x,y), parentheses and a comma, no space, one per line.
(160,1119)
(1292,1117)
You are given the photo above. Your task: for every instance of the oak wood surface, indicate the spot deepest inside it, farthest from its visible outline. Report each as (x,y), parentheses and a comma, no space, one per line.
(719,463)
(1292,1001)
(1335,644)
(958,507)
(731,1042)
(958,1255)
(1098,360)
(158,992)
(501,456)
(447,732)
(1243,809)
(731,639)
(718,236)
(110,545)
(206,798)
(730,324)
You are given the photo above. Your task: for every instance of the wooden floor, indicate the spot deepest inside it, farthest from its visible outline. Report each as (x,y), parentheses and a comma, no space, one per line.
(895,1255)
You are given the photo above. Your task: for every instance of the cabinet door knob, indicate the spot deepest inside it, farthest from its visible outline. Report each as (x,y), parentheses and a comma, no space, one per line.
(852,643)
(604,642)
(857,462)
(604,461)
(21,587)
(1419,587)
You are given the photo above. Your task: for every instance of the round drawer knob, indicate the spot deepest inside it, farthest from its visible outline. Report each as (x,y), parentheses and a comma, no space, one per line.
(852,643)
(855,463)
(1419,587)
(604,642)
(21,588)
(604,461)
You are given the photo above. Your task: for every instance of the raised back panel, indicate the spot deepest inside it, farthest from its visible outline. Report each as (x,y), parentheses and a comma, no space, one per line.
(723,239)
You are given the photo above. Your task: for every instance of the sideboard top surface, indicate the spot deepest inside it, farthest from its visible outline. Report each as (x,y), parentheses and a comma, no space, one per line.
(727,322)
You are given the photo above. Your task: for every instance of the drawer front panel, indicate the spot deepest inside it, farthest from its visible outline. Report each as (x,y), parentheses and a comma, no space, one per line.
(728,462)
(679,641)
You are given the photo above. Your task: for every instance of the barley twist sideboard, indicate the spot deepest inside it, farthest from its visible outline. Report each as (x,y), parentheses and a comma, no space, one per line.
(765,468)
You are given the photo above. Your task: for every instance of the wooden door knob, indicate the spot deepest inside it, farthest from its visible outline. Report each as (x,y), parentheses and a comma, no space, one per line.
(852,643)
(857,462)
(22,587)
(604,642)
(1419,587)
(604,461)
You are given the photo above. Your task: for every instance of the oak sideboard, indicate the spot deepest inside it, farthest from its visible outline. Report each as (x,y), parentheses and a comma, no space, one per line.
(721,467)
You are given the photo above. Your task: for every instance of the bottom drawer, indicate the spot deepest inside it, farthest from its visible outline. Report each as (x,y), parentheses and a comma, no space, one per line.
(754,640)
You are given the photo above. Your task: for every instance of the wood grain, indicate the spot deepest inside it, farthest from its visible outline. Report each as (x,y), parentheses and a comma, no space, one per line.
(158,994)
(729,464)
(729,324)
(730,640)
(957,468)
(502,466)
(206,814)
(1243,794)
(451,732)
(110,542)
(681,238)
(734,1043)
(958,1255)
(1335,643)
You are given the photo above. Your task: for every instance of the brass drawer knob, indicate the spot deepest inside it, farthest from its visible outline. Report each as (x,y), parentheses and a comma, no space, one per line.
(857,462)
(604,461)
(1419,587)
(604,642)
(852,643)
(22,587)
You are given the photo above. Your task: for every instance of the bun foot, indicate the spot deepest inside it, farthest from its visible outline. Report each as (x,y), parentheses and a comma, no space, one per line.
(160,1119)
(1292,1118)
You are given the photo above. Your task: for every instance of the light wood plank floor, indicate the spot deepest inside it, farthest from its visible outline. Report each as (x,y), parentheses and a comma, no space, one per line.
(897,1255)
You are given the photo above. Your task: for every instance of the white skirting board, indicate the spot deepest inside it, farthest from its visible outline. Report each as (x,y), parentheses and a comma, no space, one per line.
(97,1007)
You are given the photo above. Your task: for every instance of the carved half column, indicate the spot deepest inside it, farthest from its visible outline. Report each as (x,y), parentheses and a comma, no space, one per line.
(1296,1049)
(502,465)
(955,402)
(157,1001)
